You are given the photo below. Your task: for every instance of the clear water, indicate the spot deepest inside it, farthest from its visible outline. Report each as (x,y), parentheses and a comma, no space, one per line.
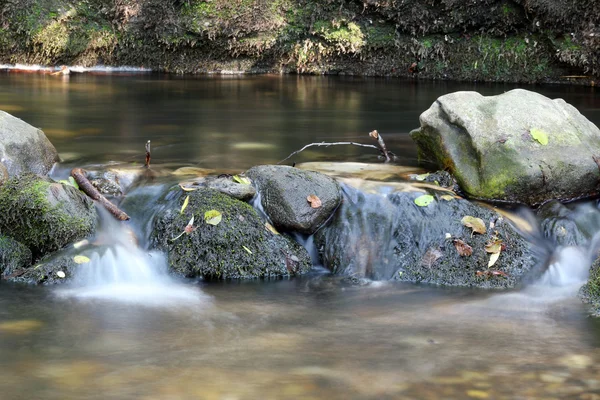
(126,330)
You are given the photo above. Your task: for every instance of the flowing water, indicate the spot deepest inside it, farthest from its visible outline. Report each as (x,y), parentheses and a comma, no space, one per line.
(124,329)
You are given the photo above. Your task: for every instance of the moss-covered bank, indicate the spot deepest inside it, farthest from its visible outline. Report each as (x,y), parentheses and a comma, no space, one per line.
(492,40)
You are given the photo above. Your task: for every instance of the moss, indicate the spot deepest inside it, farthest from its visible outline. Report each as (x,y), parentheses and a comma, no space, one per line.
(345,36)
(381,36)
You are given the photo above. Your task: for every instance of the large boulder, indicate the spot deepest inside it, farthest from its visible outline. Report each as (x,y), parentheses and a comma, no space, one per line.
(283,195)
(44,215)
(24,148)
(240,245)
(391,237)
(518,146)
(14,256)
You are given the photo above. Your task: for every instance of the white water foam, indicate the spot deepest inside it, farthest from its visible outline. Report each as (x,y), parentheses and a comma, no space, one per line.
(74,68)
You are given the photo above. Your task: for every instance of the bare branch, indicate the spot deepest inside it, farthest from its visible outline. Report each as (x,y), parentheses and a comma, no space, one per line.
(387,154)
(147,154)
(326,144)
(86,186)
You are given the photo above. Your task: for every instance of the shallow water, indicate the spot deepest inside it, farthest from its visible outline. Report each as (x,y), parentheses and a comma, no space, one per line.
(305,338)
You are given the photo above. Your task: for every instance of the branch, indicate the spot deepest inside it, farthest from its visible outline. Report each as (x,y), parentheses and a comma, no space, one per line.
(147,154)
(389,156)
(325,144)
(86,186)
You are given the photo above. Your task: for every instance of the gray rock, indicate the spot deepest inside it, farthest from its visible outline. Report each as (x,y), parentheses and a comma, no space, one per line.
(391,237)
(487,143)
(14,256)
(3,174)
(226,186)
(590,292)
(44,215)
(24,148)
(569,224)
(240,246)
(284,191)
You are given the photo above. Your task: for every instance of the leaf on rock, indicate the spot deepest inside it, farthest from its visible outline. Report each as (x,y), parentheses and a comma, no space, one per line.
(474,223)
(539,135)
(431,256)
(421,177)
(185,204)
(241,179)
(314,201)
(494,246)
(424,200)
(493,259)
(212,217)
(447,197)
(81,259)
(247,249)
(61,274)
(463,249)
(188,186)
(271,228)
(73,182)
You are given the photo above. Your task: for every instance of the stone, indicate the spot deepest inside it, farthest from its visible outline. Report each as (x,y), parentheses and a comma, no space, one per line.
(489,145)
(283,193)
(14,256)
(23,148)
(569,224)
(239,246)
(3,174)
(226,186)
(44,215)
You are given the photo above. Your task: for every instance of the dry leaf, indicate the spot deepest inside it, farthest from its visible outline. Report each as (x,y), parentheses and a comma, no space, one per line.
(271,228)
(474,223)
(493,259)
(247,249)
(188,186)
(185,204)
(491,272)
(447,197)
(462,248)
(60,274)
(430,257)
(494,246)
(314,201)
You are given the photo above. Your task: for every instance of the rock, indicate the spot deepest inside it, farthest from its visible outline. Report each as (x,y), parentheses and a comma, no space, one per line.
(226,186)
(24,148)
(14,256)
(239,246)
(284,191)
(3,174)
(384,238)
(488,144)
(115,181)
(569,224)
(44,215)
(590,292)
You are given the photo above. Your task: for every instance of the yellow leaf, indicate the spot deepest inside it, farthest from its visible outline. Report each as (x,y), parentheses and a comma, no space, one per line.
(271,228)
(81,259)
(447,197)
(241,179)
(424,200)
(539,135)
(247,249)
(493,259)
(188,186)
(185,204)
(474,223)
(212,217)
(495,246)
(421,177)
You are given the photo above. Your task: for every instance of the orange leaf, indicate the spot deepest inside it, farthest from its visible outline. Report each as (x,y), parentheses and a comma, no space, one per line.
(462,248)
(314,201)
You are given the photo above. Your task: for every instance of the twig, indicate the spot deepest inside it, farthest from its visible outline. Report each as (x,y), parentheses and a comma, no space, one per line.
(325,144)
(86,186)
(147,154)
(387,154)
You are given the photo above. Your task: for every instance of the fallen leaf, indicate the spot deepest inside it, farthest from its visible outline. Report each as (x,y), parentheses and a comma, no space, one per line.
(61,274)
(189,228)
(81,259)
(474,223)
(81,243)
(185,204)
(421,177)
(73,182)
(424,200)
(447,197)
(271,228)
(188,186)
(430,257)
(241,179)
(314,201)
(463,249)
(212,217)
(448,236)
(539,135)
(494,246)
(247,249)
(493,259)
(491,272)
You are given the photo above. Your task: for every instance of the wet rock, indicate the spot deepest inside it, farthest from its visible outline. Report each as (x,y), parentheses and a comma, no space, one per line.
(226,186)
(24,148)
(3,174)
(14,256)
(569,224)
(391,237)
(590,292)
(115,181)
(44,215)
(489,144)
(441,178)
(284,191)
(239,246)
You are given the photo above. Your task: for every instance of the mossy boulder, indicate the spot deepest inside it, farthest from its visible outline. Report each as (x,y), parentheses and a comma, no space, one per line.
(44,215)
(23,148)
(590,292)
(239,246)
(518,146)
(55,268)
(14,256)
(392,238)
(284,191)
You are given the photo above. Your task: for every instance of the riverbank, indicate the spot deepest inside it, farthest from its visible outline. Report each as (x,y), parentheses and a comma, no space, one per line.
(491,40)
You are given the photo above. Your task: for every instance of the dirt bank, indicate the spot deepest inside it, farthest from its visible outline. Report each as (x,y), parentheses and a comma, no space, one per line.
(483,40)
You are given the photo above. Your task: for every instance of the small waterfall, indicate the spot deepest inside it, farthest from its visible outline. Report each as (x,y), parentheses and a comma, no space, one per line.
(120,270)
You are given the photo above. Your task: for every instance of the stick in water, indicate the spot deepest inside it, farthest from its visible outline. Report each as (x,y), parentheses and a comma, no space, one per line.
(147,154)
(375,135)
(86,186)
(325,144)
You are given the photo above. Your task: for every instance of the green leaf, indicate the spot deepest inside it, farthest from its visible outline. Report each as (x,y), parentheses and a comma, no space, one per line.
(424,200)
(73,182)
(185,204)
(421,177)
(539,135)
(241,179)
(212,217)
(81,259)
(247,249)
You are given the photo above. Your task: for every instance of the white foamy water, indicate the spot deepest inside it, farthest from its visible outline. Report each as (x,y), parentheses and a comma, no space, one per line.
(74,68)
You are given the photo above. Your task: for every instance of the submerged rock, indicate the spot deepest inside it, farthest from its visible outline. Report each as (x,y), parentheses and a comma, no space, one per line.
(391,237)
(14,256)
(284,190)
(569,224)
(44,215)
(239,246)
(518,146)
(24,148)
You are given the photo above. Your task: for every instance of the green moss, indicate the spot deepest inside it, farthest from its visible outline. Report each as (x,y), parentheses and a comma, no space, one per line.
(381,36)
(346,36)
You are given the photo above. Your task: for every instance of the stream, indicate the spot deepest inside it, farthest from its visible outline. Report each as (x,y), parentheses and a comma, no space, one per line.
(125,329)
